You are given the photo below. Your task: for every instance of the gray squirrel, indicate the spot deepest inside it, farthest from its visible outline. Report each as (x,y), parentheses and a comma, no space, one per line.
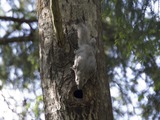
(85,62)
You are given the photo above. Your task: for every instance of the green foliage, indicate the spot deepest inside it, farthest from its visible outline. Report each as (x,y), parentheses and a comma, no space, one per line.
(19,62)
(36,110)
(131,33)
(20,58)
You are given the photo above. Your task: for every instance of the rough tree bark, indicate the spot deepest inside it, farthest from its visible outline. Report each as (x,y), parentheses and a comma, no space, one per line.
(58,41)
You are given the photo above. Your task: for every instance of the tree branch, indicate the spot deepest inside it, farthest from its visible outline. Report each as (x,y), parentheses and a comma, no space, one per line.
(16,39)
(20,20)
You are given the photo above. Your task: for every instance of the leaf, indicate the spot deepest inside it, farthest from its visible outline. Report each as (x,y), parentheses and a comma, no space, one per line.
(140,97)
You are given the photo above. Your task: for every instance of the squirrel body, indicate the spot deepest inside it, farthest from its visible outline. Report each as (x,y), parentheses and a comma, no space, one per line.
(85,62)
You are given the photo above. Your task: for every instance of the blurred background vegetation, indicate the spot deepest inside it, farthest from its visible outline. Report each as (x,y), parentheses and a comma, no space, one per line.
(131,36)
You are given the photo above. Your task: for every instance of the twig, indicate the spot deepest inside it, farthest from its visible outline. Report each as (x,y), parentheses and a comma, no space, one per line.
(20,20)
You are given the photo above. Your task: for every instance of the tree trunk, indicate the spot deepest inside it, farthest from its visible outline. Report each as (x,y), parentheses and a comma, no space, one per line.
(62,99)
